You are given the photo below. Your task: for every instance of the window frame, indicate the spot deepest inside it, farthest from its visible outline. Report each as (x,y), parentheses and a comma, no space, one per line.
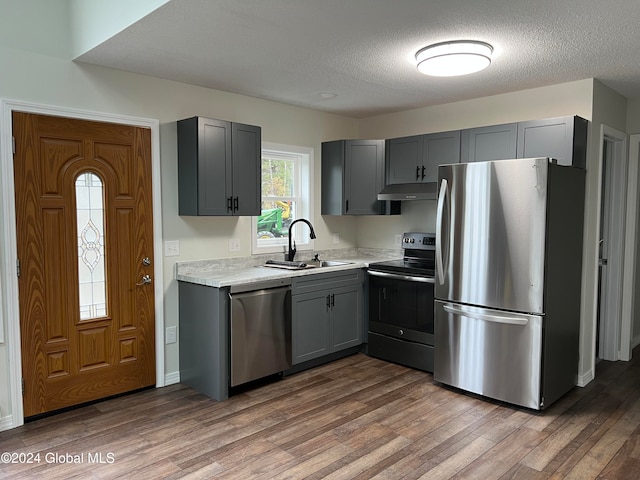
(303,192)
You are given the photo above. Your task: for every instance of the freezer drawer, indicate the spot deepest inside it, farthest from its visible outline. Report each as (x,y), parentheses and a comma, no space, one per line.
(489,352)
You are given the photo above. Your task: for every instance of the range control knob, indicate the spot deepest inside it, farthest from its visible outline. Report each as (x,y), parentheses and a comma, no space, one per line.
(401,332)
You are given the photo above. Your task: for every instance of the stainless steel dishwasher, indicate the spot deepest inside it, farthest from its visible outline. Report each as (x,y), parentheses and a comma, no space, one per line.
(260,330)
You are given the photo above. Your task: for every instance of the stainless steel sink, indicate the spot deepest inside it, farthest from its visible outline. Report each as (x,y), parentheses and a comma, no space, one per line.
(330,263)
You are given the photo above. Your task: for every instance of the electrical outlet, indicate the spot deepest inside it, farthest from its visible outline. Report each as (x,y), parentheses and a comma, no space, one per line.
(234,245)
(398,241)
(171,335)
(336,238)
(171,248)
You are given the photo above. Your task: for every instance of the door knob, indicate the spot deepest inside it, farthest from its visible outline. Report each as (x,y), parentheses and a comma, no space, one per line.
(146,261)
(146,279)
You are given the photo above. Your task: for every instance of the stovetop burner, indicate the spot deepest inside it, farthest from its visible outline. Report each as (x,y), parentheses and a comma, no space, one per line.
(419,256)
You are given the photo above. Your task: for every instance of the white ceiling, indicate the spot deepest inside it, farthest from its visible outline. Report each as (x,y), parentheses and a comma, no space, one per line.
(291,51)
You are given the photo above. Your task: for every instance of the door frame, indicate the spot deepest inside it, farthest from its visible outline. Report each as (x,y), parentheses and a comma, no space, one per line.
(631,247)
(616,335)
(9,253)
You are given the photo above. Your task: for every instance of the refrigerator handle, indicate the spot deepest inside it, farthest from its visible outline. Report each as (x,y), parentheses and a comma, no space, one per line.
(496,318)
(440,227)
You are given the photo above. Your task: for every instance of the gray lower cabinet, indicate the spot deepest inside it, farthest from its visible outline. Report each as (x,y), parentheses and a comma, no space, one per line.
(352,176)
(495,142)
(326,314)
(204,339)
(219,167)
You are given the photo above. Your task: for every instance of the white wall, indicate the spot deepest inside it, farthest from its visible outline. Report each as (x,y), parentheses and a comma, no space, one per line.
(41,72)
(574,98)
(633,127)
(633,116)
(609,108)
(94,21)
(44,74)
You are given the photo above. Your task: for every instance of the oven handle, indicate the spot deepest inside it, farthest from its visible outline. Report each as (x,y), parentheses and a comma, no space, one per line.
(495,318)
(410,278)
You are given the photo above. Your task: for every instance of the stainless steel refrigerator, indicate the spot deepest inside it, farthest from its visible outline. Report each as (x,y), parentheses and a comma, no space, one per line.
(508,279)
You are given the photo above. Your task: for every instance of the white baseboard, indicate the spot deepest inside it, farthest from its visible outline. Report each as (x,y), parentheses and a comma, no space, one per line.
(584,379)
(6,423)
(171,378)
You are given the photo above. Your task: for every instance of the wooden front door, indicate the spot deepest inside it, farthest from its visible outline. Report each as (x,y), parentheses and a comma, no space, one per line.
(85,244)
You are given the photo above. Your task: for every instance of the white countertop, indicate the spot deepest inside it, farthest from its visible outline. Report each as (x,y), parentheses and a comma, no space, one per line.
(217,273)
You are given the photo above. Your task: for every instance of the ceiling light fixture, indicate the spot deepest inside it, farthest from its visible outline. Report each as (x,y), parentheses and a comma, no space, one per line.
(450,59)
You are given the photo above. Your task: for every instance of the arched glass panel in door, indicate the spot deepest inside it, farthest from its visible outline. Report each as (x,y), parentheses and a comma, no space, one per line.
(91,247)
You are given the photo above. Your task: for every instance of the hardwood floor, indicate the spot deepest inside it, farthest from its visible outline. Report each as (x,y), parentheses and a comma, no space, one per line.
(357,418)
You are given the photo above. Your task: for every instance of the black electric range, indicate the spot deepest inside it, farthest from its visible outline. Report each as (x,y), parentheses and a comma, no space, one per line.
(401,308)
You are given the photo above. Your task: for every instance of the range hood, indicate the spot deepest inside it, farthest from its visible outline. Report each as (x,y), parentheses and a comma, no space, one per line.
(409,191)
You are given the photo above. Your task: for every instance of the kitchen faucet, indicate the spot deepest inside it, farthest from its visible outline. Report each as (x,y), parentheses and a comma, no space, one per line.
(292,250)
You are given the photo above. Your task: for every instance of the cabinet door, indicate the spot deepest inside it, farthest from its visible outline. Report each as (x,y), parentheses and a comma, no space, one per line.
(247,187)
(363,177)
(346,317)
(496,142)
(561,138)
(332,171)
(404,159)
(439,149)
(204,166)
(310,326)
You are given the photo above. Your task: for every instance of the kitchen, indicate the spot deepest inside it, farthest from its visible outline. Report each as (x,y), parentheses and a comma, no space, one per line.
(93,88)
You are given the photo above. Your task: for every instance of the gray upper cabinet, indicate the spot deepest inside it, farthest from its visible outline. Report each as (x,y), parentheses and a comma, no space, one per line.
(352,176)
(404,159)
(495,142)
(439,149)
(563,138)
(416,158)
(219,167)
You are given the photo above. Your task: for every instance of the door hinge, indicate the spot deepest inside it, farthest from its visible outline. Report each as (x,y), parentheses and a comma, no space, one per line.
(22,385)
(18,267)
(13,144)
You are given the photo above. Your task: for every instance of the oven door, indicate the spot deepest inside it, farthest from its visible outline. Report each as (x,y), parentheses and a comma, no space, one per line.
(401,306)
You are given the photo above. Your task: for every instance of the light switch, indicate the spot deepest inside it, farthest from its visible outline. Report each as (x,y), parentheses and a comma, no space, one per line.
(234,245)
(172,335)
(171,248)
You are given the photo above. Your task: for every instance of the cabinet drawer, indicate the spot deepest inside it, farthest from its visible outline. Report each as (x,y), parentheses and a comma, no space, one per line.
(323,281)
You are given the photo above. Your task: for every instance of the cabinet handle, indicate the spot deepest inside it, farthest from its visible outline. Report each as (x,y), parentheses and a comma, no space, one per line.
(418,172)
(229,204)
(235,204)
(328,302)
(423,167)
(346,207)
(333,300)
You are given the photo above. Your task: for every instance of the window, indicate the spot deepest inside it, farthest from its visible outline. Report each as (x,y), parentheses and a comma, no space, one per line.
(91,264)
(286,196)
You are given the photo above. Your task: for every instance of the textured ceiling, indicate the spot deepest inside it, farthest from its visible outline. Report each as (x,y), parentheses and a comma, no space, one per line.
(291,51)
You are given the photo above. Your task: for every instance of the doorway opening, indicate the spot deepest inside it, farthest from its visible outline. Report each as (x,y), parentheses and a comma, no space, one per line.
(613,315)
